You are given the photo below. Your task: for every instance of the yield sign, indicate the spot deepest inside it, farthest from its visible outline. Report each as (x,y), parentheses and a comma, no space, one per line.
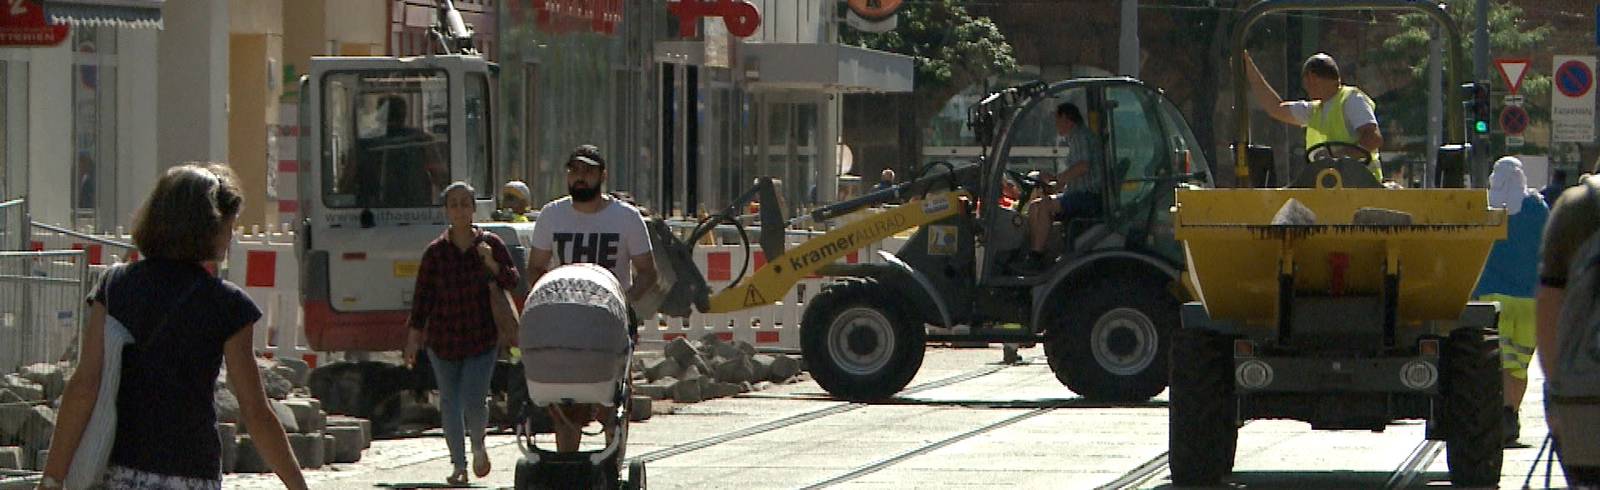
(1511,71)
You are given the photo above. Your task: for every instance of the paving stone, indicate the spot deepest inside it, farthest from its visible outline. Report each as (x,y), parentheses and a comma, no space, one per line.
(640,408)
(299,373)
(687,391)
(40,458)
(249,459)
(11,458)
(49,376)
(659,368)
(22,387)
(306,416)
(728,351)
(226,404)
(761,367)
(656,390)
(733,370)
(329,445)
(679,349)
(278,387)
(8,396)
(37,427)
(308,450)
(783,368)
(719,389)
(228,435)
(285,416)
(347,421)
(348,442)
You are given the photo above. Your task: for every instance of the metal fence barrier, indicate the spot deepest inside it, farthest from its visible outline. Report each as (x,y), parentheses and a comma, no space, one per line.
(14,225)
(41,306)
(102,249)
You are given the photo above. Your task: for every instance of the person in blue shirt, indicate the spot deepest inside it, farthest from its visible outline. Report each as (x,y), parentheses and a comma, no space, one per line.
(1509,278)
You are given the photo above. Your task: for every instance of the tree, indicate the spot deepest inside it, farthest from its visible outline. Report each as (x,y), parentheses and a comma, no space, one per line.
(951,48)
(1508,33)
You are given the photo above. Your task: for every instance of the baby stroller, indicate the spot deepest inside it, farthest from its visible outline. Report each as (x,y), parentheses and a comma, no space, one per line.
(576,349)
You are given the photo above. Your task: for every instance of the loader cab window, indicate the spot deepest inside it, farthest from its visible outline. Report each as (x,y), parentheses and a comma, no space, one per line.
(1137,142)
(386,139)
(1035,142)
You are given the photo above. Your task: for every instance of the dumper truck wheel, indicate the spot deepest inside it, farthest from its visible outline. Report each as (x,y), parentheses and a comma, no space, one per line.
(1109,342)
(1471,387)
(857,341)
(1203,432)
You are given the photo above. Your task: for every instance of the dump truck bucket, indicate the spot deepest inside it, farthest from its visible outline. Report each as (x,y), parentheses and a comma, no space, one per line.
(1437,240)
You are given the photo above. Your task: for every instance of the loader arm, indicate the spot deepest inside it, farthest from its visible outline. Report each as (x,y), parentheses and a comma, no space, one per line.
(773,280)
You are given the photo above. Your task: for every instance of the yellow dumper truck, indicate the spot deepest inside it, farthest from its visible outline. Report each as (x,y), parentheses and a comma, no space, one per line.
(1336,302)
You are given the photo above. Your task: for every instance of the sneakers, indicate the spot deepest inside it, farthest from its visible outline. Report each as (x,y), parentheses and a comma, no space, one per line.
(1512,426)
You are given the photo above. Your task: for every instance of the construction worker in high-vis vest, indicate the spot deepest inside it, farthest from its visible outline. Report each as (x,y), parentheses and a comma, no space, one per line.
(1336,112)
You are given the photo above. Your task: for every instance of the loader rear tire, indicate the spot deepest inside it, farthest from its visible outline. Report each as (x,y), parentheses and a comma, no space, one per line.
(1110,340)
(858,342)
(1203,431)
(1471,387)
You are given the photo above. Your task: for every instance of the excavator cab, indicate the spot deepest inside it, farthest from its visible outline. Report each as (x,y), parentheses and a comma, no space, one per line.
(382,137)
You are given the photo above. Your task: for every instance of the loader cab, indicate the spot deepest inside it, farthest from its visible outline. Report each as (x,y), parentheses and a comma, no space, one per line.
(1146,148)
(382,137)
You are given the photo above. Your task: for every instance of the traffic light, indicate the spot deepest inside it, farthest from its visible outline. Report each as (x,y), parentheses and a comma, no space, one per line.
(1478,108)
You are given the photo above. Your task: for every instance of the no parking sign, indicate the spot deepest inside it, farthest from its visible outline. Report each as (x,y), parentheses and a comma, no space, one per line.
(1572,102)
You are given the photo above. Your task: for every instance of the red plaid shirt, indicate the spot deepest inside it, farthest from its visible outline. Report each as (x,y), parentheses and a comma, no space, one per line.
(452,296)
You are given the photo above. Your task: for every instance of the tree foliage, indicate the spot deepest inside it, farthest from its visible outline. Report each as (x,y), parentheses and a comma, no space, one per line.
(951,48)
(1509,33)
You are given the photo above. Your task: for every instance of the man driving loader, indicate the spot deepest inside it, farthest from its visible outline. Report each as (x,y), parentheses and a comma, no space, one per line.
(1080,183)
(1336,113)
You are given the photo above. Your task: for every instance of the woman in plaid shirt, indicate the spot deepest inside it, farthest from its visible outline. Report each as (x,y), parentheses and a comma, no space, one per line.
(451,317)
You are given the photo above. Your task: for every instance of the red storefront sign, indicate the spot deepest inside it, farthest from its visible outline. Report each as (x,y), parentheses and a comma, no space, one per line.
(22,23)
(741,17)
(600,16)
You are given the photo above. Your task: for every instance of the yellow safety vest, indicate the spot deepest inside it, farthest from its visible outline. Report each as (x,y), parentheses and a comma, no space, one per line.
(1327,123)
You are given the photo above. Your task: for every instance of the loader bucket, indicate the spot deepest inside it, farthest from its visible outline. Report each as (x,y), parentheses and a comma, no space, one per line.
(685,285)
(1235,252)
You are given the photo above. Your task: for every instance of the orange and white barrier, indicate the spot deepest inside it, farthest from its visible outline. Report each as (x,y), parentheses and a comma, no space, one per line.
(99,249)
(263,263)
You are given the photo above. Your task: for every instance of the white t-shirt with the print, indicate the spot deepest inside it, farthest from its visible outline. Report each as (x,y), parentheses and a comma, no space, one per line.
(609,237)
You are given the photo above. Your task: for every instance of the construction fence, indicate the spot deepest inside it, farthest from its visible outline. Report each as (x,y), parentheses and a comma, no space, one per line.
(41,306)
(14,225)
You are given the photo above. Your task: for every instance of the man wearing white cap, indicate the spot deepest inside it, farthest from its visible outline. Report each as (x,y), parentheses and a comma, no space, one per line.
(1510,277)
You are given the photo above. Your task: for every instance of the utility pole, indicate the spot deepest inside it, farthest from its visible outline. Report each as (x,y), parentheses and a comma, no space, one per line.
(1128,41)
(1480,73)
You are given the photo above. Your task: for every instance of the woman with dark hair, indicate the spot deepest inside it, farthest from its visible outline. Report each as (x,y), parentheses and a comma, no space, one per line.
(451,317)
(184,323)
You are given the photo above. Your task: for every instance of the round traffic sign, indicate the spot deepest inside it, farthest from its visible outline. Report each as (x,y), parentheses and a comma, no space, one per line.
(1513,120)
(1574,78)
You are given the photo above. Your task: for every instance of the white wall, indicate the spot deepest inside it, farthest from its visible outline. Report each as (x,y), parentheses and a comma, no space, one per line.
(137,106)
(193,60)
(50,129)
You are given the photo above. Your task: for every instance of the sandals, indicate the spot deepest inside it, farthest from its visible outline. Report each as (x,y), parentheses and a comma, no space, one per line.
(480,463)
(457,479)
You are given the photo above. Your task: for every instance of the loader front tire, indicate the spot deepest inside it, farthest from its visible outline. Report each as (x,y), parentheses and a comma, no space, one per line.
(1110,339)
(858,342)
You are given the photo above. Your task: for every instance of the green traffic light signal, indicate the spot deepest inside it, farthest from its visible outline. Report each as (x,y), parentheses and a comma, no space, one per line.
(1481,126)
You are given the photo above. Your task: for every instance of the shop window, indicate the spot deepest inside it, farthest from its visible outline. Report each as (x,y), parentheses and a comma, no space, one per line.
(94,122)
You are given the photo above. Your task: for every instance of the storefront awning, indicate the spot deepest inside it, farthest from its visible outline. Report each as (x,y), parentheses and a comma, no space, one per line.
(116,13)
(825,67)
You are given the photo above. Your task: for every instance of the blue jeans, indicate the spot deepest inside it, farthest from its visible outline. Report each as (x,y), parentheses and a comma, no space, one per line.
(463,390)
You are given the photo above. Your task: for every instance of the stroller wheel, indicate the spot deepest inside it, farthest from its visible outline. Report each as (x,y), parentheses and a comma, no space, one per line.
(636,479)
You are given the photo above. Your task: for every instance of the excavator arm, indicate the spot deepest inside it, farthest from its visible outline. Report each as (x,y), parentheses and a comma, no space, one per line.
(786,267)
